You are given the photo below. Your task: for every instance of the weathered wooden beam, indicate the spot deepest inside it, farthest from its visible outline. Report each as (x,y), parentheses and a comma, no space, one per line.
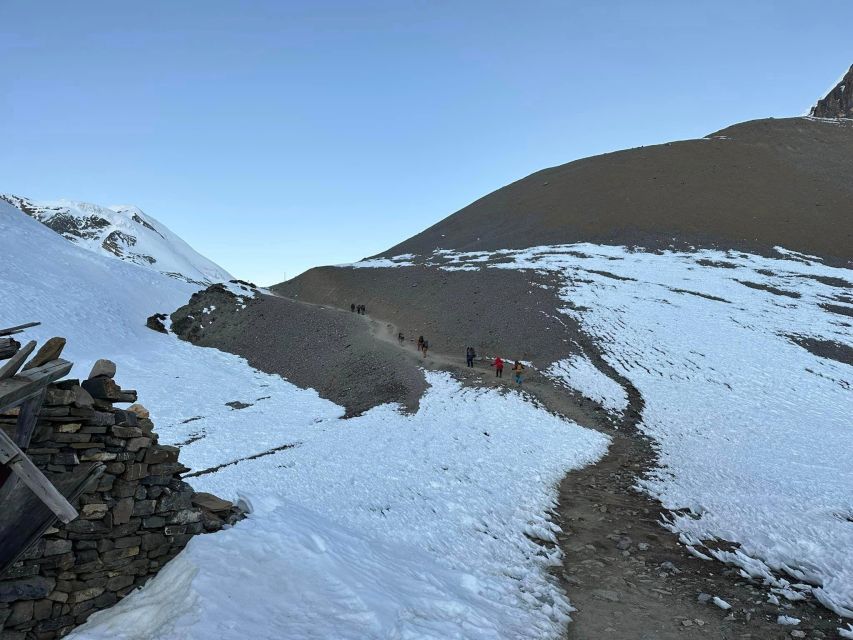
(12,456)
(11,368)
(25,518)
(16,389)
(27,418)
(18,329)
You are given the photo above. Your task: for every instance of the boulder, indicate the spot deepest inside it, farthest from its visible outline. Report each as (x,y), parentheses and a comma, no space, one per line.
(103,367)
(210,502)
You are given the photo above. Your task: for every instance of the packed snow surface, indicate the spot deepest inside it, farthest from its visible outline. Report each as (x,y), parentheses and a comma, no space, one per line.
(753,426)
(123,232)
(383,526)
(577,372)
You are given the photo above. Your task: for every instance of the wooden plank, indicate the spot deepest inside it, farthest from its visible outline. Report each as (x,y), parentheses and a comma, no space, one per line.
(27,419)
(18,329)
(24,518)
(29,474)
(14,390)
(16,361)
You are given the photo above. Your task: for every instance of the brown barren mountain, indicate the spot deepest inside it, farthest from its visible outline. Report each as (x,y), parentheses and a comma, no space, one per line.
(751,186)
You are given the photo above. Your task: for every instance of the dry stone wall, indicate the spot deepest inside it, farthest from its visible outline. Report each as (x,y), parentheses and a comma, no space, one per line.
(136,518)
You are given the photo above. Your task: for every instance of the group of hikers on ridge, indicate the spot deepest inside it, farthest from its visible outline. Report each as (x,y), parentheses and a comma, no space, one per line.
(470,355)
(358,307)
(498,364)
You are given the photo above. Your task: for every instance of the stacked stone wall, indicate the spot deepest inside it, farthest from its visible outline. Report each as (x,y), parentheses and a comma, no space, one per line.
(136,518)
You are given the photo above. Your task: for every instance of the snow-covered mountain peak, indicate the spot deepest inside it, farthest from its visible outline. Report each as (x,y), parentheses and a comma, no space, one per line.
(124,232)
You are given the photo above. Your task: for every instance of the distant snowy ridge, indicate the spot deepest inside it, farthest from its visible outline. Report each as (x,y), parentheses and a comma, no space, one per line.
(123,232)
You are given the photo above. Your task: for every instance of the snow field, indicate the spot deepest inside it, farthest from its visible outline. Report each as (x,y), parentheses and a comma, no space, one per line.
(389,526)
(753,430)
(383,526)
(577,372)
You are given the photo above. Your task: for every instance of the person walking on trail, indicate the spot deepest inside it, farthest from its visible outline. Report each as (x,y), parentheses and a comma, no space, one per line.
(401,338)
(420,343)
(518,369)
(470,354)
(498,364)
(425,347)
(352,307)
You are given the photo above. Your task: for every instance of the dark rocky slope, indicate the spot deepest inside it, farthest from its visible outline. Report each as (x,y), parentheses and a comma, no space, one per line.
(838,103)
(328,350)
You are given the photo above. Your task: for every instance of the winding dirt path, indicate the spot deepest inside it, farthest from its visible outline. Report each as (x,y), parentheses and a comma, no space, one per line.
(628,577)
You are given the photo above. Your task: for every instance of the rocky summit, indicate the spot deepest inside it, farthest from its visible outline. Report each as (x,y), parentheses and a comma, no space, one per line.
(838,103)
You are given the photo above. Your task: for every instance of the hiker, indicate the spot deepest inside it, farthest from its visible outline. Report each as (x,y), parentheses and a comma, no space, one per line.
(420,343)
(401,338)
(352,307)
(425,346)
(470,354)
(498,364)
(518,369)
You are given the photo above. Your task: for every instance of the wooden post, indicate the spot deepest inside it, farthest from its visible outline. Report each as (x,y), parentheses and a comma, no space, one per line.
(15,390)
(12,330)
(27,419)
(29,474)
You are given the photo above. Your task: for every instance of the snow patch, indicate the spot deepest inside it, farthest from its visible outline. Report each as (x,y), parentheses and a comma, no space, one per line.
(577,372)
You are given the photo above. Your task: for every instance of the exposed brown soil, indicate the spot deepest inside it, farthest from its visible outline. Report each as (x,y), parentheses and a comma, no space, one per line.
(751,186)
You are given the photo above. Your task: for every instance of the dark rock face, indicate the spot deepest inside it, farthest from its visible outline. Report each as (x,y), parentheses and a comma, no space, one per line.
(838,103)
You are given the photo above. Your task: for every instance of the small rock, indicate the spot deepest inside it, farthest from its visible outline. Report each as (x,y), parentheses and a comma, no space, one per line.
(624,543)
(704,598)
(687,623)
(139,410)
(606,594)
(643,546)
(103,367)
(668,566)
(796,633)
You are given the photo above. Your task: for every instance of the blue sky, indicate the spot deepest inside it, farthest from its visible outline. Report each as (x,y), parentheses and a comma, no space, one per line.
(276,136)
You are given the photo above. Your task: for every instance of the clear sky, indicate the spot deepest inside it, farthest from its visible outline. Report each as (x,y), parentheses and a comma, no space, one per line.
(275,136)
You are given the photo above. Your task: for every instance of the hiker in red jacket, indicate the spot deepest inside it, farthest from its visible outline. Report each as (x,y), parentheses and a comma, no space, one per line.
(498,364)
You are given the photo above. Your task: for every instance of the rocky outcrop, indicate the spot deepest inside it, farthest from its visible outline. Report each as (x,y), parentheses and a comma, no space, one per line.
(138,516)
(838,103)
